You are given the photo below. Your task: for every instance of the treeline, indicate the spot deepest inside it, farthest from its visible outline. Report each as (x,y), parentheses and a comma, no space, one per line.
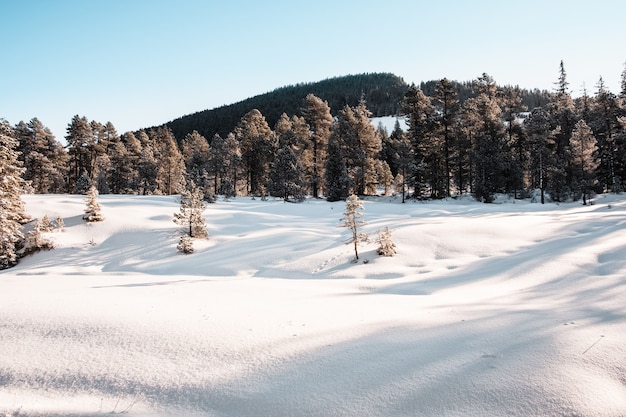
(488,143)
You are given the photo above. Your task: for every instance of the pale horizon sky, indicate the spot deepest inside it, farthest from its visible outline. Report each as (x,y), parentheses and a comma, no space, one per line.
(141,63)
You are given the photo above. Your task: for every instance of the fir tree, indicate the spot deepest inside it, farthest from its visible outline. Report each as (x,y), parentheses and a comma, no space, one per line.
(12,213)
(336,178)
(93,212)
(191,212)
(353,220)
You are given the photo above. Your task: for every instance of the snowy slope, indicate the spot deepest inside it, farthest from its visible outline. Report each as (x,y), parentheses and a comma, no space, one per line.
(512,309)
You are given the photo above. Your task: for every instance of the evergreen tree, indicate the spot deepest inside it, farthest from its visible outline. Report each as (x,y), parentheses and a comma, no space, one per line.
(196,154)
(386,247)
(171,167)
(317,114)
(421,122)
(542,148)
(512,106)
(83,184)
(185,245)
(191,212)
(35,241)
(583,148)
(80,144)
(337,181)
(147,171)
(258,147)
(489,149)
(353,220)
(286,176)
(604,121)
(93,211)
(448,99)
(43,157)
(12,212)
(564,118)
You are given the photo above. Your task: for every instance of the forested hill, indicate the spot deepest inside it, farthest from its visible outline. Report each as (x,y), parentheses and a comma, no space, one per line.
(383,93)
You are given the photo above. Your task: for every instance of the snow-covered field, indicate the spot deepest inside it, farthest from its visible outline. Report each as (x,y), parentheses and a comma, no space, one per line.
(513,309)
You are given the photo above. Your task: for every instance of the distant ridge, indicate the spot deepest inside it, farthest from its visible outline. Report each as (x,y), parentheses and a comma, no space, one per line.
(383,93)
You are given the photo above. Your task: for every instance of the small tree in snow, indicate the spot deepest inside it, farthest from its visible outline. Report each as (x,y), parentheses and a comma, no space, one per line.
(353,220)
(386,247)
(35,241)
(185,244)
(190,216)
(93,212)
(60,224)
(46,224)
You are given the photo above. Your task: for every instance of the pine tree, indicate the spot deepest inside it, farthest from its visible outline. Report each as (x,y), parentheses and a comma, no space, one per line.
(191,212)
(448,99)
(317,114)
(583,148)
(93,212)
(286,179)
(12,212)
(258,147)
(353,220)
(542,149)
(421,122)
(336,179)
(196,154)
(80,144)
(171,167)
(386,247)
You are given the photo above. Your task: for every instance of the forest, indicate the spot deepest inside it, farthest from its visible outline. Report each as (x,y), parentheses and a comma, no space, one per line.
(450,139)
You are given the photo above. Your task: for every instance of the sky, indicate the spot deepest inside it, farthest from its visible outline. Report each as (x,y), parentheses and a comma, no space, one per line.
(142,63)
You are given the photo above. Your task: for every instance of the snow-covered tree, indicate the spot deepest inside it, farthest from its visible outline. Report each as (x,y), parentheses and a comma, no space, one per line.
(185,244)
(353,220)
(386,247)
(35,240)
(93,212)
(191,212)
(12,212)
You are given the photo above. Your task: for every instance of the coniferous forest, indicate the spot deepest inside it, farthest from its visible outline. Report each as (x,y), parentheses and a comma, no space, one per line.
(317,140)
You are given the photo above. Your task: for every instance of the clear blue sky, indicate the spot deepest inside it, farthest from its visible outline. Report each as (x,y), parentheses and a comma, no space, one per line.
(139,63)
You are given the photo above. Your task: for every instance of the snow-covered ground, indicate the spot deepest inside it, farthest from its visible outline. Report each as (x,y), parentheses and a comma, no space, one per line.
(513,309)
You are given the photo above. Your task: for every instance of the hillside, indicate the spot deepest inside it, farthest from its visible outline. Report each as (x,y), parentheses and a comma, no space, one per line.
(488,310)
(383,93)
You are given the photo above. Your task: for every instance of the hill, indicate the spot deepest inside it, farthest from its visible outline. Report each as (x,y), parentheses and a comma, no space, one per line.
(383,93)
(512,309)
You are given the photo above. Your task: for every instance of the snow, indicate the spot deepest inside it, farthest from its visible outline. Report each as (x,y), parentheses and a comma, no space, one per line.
(513,309)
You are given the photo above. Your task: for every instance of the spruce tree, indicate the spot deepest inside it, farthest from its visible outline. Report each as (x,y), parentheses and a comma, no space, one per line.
(12,212)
